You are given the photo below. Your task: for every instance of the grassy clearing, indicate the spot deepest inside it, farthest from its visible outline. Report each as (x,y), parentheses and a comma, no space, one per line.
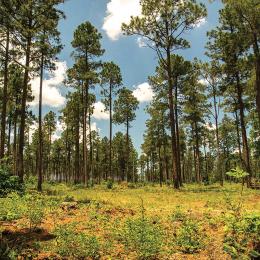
(145,222)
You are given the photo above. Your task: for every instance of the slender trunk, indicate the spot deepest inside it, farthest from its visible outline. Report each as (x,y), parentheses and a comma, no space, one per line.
(217,135)
(160,165)
(172,122)
(206,160)
(127,148)
(15,143)
(246,155)
(20,162)
(257,71)
(238,136)
(9,135)
(110,132)
(90,149)
(77,155)
(39,187)
(178,151)
(197,149)
(5,96)
(165,156)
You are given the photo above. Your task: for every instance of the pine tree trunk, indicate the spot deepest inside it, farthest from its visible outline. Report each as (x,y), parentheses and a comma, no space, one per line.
(127,149)
(20,161)
(257,71)
(238,136)
(246,155)
(197,149)
(178,151)
(217,136)
(77,155)
(9,136)
(39,187)
(5,96)
(110,132)
(172,123)
(90,149)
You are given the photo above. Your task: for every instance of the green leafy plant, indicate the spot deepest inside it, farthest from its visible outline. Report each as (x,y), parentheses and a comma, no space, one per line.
(110,184)
(69,198)
(189,237)
(12,207)
(35,210)
(239,174)
(242,237)
(142,236)
(178,214)
(8,182)
(76,245)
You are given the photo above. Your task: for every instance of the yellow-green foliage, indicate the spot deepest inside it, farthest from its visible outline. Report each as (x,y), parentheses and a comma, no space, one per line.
(144,222)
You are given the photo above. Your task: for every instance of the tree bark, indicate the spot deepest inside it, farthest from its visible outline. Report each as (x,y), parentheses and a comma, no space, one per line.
(246,155)
(257,71)
(110,131)
(20,161)
(39,187)
(172,122)
(178,151)
(217,135)
(5,98)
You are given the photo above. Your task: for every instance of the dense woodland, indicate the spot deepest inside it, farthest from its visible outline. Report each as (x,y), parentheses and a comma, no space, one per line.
(80,195)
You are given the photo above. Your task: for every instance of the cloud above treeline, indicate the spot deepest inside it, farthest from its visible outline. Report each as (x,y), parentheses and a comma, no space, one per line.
(51,95)
(119,12)
(142,92)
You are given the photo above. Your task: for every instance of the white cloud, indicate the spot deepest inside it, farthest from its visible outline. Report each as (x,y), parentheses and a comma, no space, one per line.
(99,111)
(201,22)
(203,82)
(50,94)
(143,92)
(141,42)
(32,130)
(94,127)
(118,12)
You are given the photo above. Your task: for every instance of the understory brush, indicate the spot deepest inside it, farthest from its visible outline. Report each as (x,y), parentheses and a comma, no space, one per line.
(242,233)
(70,243)
(8,182)
(32,207)
(188,236)
(142,236)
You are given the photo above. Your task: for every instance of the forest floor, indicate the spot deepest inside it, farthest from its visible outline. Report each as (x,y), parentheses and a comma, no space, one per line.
(135,222)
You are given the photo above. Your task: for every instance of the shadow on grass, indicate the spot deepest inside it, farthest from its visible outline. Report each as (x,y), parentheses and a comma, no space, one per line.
(23,239)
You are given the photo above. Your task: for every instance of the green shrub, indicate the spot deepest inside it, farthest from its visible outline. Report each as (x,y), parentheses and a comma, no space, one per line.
(189,237)
(242,237)
(31,182)
(35,209)
(12,207)
(69,198)
(9,183)
(178,214)
(110,184)
(142,236)
(76,245)
(131,185)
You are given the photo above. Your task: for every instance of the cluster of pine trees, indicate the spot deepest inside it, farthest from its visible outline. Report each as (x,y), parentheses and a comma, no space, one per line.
(204,117)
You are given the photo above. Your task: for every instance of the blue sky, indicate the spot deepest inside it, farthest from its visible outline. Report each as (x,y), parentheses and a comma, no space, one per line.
(136,63)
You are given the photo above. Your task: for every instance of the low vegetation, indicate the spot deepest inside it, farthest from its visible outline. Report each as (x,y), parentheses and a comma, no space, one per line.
(119,222)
